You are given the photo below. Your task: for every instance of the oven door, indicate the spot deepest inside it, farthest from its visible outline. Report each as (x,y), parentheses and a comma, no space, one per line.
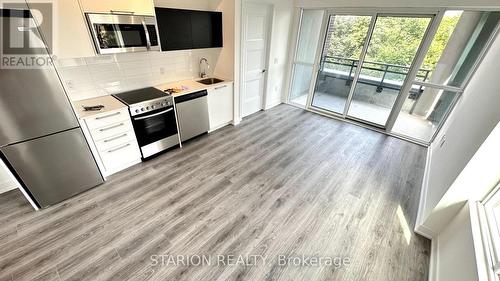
(156,130)
(119,33)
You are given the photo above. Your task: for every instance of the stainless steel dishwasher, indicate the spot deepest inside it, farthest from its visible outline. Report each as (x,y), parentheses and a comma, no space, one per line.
(192,114)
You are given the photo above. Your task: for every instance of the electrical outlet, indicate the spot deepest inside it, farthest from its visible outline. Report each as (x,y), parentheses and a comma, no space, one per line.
(162,70)
(443,140)
(70,84)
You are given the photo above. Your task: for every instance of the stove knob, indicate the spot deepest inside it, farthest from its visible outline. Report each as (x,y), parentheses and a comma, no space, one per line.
(147,107)
(137,111)
(152,107)
(164,104)
(142,109)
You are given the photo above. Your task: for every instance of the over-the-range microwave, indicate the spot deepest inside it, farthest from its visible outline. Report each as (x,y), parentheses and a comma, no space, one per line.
(123,33)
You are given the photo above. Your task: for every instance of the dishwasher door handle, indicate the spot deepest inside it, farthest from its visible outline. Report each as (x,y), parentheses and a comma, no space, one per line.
(192,96)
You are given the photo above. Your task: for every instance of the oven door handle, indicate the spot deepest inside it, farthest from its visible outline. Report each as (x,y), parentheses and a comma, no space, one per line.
(152,115)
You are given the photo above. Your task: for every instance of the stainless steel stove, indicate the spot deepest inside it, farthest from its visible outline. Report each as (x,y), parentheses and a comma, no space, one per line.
(154,119)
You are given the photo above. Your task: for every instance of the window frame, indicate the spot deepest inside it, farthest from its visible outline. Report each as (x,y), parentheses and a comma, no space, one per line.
(411,77)
(458,90)
(491,238)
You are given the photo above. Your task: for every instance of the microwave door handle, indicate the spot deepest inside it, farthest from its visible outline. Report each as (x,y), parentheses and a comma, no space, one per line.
(148,40)
(152,115)
(120,39)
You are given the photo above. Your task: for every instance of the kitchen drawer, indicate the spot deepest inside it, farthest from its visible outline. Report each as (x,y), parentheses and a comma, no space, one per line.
(120,155)
(105,119)
(114,141)
(111,130)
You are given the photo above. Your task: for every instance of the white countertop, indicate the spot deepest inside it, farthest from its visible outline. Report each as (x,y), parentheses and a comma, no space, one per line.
(191,86)
(110,103)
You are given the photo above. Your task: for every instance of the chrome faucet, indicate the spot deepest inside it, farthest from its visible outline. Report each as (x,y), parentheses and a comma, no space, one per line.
(203,70)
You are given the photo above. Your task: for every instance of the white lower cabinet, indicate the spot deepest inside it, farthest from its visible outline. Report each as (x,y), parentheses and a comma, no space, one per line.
(112,140)
(220,106)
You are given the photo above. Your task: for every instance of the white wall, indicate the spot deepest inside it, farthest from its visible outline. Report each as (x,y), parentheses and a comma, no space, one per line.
(477,179)
(396,3)
(224,64)
(454,257)
(475,116)
(279,51)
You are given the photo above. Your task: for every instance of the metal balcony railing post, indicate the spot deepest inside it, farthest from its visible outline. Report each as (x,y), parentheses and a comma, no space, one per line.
(348,82)
(380,87)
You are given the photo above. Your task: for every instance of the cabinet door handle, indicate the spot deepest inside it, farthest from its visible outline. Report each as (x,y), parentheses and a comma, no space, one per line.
(112,127)
(221,87)
(107,116)
(121,12)
(115,138)
(118,148)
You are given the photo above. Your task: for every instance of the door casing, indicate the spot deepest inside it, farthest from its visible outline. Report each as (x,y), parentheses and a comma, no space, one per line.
(270,9)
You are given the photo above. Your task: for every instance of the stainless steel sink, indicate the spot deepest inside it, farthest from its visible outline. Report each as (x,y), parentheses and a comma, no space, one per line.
(210,81)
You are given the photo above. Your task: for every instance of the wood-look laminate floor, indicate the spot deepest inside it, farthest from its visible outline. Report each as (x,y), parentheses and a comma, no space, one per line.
(284,183)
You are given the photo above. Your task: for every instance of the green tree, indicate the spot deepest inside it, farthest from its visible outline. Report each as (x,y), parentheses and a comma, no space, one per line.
(395,40)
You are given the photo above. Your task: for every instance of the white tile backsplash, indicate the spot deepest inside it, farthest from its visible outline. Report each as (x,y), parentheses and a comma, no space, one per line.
(85,78)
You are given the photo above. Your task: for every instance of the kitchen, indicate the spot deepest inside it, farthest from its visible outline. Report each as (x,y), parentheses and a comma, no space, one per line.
(132,98)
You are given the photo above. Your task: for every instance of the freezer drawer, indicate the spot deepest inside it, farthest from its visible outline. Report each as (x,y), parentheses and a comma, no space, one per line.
(192,114)
(55,167)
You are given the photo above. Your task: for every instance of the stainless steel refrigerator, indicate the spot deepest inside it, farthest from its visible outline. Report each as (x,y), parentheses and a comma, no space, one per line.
(40,138)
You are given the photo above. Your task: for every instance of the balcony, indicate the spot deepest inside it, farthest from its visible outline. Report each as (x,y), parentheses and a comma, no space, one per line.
(378,86)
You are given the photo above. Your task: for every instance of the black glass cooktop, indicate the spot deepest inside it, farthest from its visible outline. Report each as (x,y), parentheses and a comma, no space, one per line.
(141,95)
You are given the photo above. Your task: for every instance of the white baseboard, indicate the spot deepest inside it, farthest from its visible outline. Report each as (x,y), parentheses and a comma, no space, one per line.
(433,266)
(273,104)
(420,228)
(425,231)
(236,121)
(221,126)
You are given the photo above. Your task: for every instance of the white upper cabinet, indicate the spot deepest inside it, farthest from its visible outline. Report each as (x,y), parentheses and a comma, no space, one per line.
(68,35)
(137,7)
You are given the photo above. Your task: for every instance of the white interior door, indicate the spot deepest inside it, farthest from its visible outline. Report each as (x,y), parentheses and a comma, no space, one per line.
(256,22)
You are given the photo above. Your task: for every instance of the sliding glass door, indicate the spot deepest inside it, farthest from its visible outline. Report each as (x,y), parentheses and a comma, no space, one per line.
(385,47)
(393,45)
(345,38)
